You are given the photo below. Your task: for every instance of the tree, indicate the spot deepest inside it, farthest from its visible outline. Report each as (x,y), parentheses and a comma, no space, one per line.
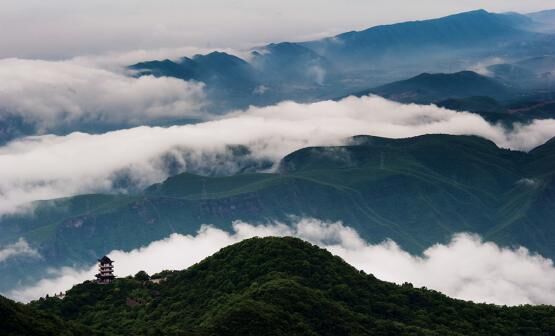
(142,276)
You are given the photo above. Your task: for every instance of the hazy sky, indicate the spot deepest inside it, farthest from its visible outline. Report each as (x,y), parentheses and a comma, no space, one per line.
(65,28)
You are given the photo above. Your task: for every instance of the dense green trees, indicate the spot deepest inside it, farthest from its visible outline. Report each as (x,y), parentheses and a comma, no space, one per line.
(142,276)
(284,286)
(18,320)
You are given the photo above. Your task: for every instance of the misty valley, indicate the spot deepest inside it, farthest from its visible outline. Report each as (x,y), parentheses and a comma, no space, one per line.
(394,180)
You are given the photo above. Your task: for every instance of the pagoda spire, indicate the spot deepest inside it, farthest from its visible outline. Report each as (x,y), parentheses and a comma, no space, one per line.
(105,271)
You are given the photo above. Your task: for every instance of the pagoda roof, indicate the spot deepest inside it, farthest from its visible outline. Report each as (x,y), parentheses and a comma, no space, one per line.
(102,276)
(105,260)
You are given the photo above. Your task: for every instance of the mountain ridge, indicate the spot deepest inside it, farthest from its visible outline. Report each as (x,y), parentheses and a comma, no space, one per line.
(383,188)
(428,88)
(470,27)
(353,61)
(282,286)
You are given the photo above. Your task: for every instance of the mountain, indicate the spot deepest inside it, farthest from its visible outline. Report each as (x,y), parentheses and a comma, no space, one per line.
(19,320)
(523,110)
(210,68)
(480,104)
(542,16)
(283,286)
(535,74)
(230,81)
(416,191)
(432,39)
(539,64)
(429,88)
(338,66)
(290,62)
(275,72)
(353,61)
(518,92)
(513,74)
(544,20)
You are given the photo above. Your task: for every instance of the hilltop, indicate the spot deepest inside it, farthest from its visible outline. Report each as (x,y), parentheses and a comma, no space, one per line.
(283,286)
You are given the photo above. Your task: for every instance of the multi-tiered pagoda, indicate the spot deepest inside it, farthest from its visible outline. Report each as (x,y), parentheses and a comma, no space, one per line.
(106,271)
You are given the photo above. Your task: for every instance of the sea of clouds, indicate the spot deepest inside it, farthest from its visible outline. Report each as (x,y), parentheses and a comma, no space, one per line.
(50,166)
(50,95)
(465,268)
(92,89)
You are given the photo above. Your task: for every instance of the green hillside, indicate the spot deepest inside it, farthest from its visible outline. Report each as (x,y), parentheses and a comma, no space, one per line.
(417,191)
(283,286)
(20,320)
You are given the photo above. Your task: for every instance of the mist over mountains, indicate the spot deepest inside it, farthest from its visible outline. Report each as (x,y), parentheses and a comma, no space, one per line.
(510,49)
(349,62)
(419,152)
(240,289)
(417,192)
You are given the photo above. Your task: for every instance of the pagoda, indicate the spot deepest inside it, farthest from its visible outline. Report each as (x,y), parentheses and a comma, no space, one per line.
(106,271)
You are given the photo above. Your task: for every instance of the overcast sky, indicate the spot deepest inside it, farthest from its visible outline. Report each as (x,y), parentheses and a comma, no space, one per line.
(64,28)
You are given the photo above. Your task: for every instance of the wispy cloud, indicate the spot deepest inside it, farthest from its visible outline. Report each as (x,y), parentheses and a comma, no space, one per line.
(18,249)
(482,67)
(53,95)
(47,167)
(465,268)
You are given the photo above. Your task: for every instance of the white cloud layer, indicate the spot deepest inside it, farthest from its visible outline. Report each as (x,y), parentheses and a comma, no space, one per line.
(53,94)
(18,249)
(47,167)
(465,268)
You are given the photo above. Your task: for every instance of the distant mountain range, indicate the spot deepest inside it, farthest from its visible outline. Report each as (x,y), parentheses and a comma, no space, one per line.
(405,42)
(545,20)
(496,98)
(521,47)
(522,110)
(529,74)
(266,286)
(354,61)
(229,79)
(416,191)
(461,176)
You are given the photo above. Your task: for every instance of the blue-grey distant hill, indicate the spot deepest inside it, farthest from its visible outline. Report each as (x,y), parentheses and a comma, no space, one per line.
(397,43)
(347,63)
(427,88)
(544,20)
(354,61)
(499,97)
